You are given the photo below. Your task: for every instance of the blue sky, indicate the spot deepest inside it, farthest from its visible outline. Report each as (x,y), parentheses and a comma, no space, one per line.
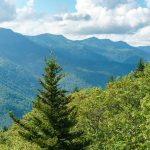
(51,6)
(56,6)
(126,20)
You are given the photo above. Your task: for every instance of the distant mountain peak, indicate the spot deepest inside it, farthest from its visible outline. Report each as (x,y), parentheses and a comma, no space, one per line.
(96,39)
(92,38)
(5,30)
(49,35)
(122,42)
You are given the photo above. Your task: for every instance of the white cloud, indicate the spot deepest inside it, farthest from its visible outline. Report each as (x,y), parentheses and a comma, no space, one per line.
(116,19)
(7,10)
(28,13)
(112,16)
(30,3)
(82,5)
(148,3)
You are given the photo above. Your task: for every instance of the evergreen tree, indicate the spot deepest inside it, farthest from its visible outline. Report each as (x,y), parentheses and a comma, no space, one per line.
(111,79)
(76,89)
(53,132)
(5,128)
(140,67)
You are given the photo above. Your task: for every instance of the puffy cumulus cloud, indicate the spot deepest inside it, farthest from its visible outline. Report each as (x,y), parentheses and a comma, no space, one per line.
(115,19)
(28,13)
(7,10)
(141,37)
(112,16)
(72,17)
(82,4)
(148,3)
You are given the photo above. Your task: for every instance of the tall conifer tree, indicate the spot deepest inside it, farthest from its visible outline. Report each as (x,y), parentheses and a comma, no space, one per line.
(140,67)
(53,132)
(111,79)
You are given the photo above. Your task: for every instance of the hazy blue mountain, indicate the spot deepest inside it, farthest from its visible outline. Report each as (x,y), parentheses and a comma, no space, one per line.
(89,62)
(16,90)
(21,50)
(145,48)
(118,51)
(83,59)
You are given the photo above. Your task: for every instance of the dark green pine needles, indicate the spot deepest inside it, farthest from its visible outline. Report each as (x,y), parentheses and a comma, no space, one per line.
(52,131)
(140,67)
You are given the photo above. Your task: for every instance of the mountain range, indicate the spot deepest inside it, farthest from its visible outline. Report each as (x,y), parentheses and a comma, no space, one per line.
(88,62)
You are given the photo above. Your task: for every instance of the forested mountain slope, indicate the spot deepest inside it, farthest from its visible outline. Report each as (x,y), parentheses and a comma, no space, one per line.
(17,88)
(114,118)
(145,48)
(88,62)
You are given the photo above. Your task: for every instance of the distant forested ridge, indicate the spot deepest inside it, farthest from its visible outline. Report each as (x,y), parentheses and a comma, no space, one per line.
(88,63)
(116,117)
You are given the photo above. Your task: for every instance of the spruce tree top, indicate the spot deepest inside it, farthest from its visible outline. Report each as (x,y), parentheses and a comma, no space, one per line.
(53,130)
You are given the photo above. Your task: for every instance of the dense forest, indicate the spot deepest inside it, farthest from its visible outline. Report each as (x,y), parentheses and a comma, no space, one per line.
(114,118)
(89,62)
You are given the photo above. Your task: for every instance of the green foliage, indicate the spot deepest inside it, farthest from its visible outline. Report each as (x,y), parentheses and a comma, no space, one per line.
(90,62)
(52,131)
(140,67)
(111,79)
(16,90)
(116,118)
(13,141)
